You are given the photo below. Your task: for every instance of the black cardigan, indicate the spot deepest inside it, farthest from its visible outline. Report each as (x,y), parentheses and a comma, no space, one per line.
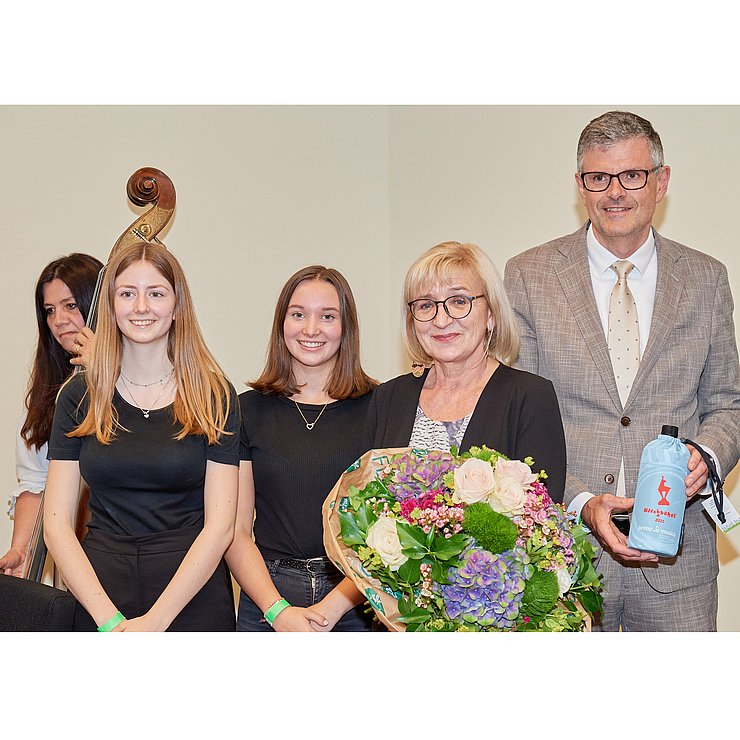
(517,414)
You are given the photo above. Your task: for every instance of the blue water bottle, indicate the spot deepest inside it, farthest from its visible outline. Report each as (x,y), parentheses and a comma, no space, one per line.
(660,498)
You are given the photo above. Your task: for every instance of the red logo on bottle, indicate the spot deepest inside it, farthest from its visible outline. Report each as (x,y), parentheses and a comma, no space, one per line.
(663,490)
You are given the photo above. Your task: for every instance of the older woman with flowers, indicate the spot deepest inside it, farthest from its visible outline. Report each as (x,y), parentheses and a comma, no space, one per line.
(461,336)
(462,393)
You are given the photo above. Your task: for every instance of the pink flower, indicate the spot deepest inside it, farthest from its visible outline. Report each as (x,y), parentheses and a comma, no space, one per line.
(512,480)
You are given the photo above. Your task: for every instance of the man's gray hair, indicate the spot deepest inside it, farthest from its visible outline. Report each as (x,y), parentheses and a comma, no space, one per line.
(616,126)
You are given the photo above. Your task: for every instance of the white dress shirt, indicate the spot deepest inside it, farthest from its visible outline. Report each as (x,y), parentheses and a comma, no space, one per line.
(642,281)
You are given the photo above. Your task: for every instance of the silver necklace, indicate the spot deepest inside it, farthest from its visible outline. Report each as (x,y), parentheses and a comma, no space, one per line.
(146,385)
(143,410)
(313,423)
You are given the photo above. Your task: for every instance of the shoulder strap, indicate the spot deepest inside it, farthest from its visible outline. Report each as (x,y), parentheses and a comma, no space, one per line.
(715,483)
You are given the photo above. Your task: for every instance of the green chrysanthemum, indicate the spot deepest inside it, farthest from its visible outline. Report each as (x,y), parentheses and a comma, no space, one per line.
(491,531)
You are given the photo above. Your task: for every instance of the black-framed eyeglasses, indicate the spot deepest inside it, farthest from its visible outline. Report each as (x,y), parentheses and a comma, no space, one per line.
(456,307)
(598,182)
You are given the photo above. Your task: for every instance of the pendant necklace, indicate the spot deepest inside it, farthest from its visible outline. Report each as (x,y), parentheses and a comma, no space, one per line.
(161,393)
(313,423)
(146,385)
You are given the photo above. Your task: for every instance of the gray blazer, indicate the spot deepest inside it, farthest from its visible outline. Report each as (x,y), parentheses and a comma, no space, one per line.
(688,376)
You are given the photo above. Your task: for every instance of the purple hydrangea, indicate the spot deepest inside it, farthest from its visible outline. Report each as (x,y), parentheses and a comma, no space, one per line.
(414,476)
(487,589)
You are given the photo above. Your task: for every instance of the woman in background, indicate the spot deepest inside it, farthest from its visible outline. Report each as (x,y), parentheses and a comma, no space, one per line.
(153,427)
(301,428)
(63,295)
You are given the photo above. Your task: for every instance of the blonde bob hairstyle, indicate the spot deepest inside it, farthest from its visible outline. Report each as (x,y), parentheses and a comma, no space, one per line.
(203,395)
(444,263)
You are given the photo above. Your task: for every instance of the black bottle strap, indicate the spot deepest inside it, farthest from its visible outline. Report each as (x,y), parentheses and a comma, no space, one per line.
(715,483)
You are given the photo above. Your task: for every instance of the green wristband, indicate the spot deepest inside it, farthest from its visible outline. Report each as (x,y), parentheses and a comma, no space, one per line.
(274,610)
(114,621)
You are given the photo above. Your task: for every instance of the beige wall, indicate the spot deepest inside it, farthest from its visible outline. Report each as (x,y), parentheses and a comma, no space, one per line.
(263,191)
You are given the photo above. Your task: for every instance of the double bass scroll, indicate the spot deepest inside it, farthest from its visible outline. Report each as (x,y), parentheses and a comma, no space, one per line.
(148,185)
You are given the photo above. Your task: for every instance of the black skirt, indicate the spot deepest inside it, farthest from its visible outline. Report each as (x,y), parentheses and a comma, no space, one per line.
(134,571)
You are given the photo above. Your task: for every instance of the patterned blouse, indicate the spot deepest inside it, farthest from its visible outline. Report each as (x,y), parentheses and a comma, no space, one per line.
(429,434)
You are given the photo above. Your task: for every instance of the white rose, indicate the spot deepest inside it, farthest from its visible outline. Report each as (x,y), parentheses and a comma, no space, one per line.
(564,580)
(382,536)
(512,480)
(473,481)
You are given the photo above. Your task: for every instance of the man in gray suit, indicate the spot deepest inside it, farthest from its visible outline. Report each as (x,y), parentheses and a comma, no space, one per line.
(620,376)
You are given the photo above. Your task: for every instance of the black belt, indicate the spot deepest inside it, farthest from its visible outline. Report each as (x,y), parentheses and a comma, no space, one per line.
(317,566)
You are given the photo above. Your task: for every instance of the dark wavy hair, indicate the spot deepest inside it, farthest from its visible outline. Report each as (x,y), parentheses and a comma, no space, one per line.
(348,379)
(79,272)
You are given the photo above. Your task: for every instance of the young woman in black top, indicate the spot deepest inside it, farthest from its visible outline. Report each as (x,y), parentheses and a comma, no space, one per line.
(301,428)
(152,426)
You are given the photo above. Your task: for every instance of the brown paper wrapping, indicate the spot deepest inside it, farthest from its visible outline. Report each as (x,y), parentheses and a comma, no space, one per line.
(345,558)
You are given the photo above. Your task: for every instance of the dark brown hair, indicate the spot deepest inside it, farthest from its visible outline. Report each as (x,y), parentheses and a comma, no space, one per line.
(79,272)
(348,379)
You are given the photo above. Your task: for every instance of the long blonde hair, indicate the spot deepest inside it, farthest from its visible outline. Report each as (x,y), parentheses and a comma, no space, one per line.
(202,396)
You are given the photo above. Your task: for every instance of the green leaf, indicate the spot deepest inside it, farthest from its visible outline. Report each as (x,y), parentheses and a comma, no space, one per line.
(591,601)
(588,575)
(416,616)
(446,548)
(351,534)
(569,605)
(354,497)
(375,488)
(439,571)
(415,620)
(411,537)
(365,517)
(405,606)
(387,577)
(410,571)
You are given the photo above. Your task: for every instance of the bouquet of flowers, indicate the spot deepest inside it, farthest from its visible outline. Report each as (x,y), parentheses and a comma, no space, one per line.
(442,541)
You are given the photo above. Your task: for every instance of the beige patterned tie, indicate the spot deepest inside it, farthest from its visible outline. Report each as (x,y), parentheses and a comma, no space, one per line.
(624,331)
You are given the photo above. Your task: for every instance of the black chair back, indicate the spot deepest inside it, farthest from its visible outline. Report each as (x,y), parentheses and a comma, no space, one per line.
(27,606)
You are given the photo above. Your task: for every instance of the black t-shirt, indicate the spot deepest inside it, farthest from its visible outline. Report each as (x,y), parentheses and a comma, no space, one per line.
(295,468)
(144,481)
